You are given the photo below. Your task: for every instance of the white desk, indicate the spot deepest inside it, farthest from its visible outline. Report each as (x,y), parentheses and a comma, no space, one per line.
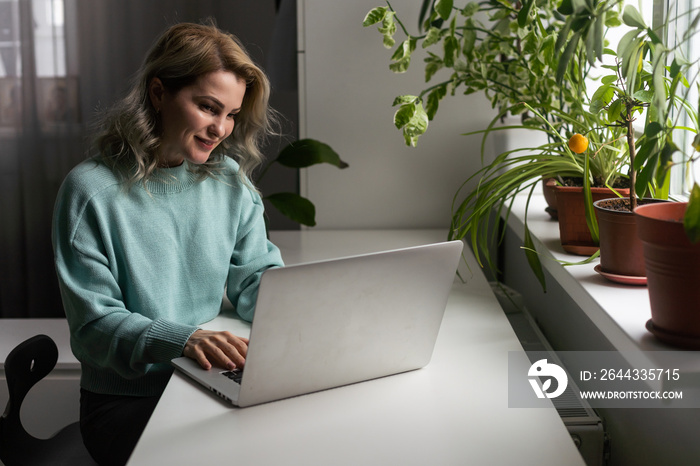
(454,411)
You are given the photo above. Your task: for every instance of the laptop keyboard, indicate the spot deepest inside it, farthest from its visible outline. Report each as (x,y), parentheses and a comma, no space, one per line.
(234,375)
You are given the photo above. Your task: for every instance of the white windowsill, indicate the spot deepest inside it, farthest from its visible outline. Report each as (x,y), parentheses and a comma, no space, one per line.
(620,312)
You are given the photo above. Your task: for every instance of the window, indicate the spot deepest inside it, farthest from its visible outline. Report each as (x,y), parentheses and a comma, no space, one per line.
(10,63)
(687,175)
(42,22)
(655,13)
(49,38)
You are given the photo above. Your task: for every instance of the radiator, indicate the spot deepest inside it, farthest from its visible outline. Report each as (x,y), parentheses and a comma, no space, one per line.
(584,425)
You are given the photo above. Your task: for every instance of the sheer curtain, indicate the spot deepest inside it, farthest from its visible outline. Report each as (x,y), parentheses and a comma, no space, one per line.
(60,60)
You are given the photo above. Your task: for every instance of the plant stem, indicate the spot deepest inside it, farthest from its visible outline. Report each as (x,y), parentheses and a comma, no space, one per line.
(405,31)
(629,105)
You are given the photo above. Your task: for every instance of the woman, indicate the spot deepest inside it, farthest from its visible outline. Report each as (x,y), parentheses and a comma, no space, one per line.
(150,232)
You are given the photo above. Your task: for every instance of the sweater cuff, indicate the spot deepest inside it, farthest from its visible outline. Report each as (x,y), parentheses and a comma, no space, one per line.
(166,340)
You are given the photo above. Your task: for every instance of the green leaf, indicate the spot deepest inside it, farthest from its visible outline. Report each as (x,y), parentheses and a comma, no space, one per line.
(602,97)
(647,151)
(404,99)
(432,66)
(655,39)
(658,81)
(614,110)
(667,152)
(451,46)
(531,254)
(444,8)
(404,114)
(469,38)
(644,96)
(374,16)
(631,17)
(434,100)
(596,106)
(433,37)
(675,68)
(566,57)
(524,13)
(632,62)
(612,19)
(402,56)
(691,220)
(696,142)
(652,129)
(416,125)
(295,207)
(533,259)
(591,220)
(599,42)
(645,175)
(547,49)
(425,6)
(604,93)
(562,36)
(664,161)
(594,40)
(565,7)
(579,23)
(470,9)
(625,42)
(388,29)
(307,152)
(400,66)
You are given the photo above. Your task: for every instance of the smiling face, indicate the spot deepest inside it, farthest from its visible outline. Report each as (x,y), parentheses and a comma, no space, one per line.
(198,117)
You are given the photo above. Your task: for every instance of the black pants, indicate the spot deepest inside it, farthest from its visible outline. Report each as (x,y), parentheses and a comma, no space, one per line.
(112,424)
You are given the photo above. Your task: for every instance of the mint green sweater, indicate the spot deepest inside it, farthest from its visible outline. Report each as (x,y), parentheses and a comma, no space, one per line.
(141,269)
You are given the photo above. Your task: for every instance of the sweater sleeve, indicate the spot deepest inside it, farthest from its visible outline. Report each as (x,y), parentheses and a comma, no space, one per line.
(104,333)
(252,255)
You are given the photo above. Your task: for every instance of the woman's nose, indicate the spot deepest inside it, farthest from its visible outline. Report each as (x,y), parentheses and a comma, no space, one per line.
(218,127)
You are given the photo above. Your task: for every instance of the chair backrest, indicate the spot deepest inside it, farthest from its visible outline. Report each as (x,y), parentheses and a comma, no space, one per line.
(28,363)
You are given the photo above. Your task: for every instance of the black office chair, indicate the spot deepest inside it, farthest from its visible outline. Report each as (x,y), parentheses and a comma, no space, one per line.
(27,364)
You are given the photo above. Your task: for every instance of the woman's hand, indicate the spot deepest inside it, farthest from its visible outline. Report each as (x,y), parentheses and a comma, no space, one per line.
(222,349)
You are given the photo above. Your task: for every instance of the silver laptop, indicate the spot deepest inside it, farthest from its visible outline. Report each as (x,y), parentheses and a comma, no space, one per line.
(327,324)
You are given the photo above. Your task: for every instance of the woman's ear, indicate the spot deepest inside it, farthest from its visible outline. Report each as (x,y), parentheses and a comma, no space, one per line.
(156,92)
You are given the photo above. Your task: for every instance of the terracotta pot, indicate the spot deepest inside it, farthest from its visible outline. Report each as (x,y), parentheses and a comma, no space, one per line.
(573,230)
(673,274)
(550,196)
(621,251)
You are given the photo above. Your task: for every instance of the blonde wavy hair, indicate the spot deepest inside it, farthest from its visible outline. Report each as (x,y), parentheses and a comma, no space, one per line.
(128,134)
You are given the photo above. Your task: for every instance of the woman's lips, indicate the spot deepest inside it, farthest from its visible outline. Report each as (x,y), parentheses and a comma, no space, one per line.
(207,144)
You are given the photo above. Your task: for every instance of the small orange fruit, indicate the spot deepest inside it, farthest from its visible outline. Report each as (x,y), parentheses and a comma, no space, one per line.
(578,143)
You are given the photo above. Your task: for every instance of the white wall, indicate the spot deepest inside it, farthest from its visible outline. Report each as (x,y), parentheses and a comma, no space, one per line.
(345,97)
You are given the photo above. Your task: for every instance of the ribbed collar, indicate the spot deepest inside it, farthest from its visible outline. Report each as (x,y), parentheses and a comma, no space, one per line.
(171,180)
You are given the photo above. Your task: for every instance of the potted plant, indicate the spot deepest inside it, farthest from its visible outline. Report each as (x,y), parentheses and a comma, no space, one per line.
(523,57)
(649,81)
(670,232)
(303,153)
(653,76)
(672,260)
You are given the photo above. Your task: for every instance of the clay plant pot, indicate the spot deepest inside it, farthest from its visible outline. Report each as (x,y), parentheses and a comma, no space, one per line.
(621,252)
(550,196)
(673,274)
(573,230)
